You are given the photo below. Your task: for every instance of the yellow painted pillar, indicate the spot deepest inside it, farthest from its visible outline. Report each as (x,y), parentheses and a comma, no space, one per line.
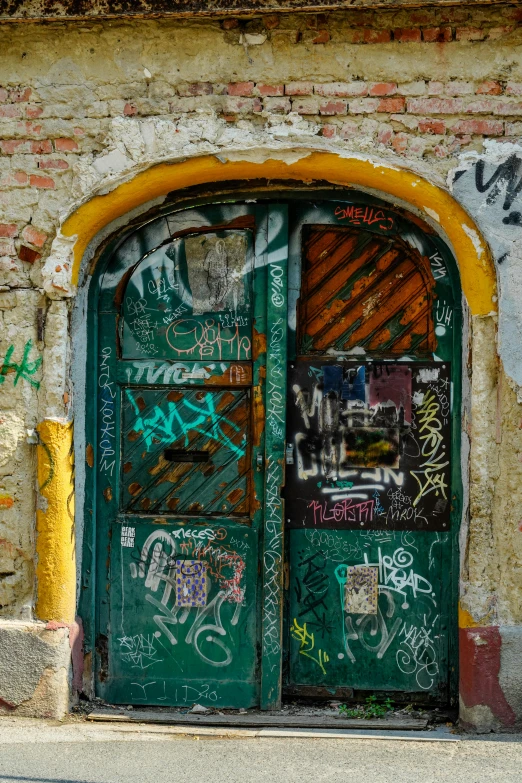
(55,535)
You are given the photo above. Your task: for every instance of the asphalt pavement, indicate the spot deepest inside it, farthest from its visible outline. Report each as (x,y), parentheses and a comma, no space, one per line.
(79,752)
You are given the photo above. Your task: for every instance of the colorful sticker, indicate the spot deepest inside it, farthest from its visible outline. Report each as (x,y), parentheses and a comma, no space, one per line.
(361,591)
(191,583)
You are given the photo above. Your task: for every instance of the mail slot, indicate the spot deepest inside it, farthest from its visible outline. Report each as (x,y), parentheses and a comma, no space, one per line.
(178,455)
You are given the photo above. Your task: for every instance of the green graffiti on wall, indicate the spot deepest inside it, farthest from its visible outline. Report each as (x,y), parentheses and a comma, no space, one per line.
(24,369)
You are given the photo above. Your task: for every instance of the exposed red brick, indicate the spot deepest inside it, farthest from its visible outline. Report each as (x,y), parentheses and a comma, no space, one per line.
(376,36)
(65,145)
(437,34)
(41,147)
(229,24)
(440,151)
(507,109)
(239,105)
(407,35)
(364,105)
(20,96)
(29,128)
(342,89)
(420,17)
(329,131)
(34,236)
(456,87)
(349,130)
(489,88)
(270,90)
(271,21)
(53,163)
(435,105)
(382,88)
(469,34)
(305,105)
(241,89)
(400,142)
(129,110)
(11,146)
(278,105)
(481,106)
(40,181)
(480,127)
(322,38)
(392,105)
(3,95)
(8,230)
(18,178)
(299,88)
(385,135)
(332,107)
(435,88)
(10,110)
(78,131)
(33,112)
(28,254)
(432,126)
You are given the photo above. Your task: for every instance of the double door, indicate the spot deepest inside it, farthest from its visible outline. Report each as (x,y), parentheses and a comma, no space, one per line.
(274,468)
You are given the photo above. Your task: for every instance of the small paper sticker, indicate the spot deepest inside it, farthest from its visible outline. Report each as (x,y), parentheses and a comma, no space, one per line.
(191,583)
(361,591)
(128,535)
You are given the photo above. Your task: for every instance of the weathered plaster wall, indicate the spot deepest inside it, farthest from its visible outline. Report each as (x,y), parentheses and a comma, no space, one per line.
(85,106)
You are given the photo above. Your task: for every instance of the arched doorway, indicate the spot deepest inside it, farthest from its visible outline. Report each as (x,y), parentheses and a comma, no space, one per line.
(244,346)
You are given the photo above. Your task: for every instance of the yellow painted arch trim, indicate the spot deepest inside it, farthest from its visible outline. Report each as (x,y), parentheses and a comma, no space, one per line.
(474,260)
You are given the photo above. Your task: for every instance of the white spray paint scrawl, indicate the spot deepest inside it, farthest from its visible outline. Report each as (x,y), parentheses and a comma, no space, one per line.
(361,591)
(191,583)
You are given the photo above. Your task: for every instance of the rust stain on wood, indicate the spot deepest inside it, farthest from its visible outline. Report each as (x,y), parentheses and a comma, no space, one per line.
(89,455)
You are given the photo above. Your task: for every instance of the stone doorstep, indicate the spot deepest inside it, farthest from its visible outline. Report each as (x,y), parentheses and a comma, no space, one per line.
(258,720)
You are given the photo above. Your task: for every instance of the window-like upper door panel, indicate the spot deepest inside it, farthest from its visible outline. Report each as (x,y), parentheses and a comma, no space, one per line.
(363,290)
(191,298)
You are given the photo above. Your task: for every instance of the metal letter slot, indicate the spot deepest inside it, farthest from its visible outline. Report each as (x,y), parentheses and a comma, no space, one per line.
(178,455)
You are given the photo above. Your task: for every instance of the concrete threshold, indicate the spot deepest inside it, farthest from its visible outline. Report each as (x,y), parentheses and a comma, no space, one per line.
(265,725)
(438,735)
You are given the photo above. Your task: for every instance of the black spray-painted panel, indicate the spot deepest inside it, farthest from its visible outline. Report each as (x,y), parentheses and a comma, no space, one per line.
(368,445)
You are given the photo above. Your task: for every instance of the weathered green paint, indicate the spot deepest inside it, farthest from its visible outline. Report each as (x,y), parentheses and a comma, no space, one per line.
(401,647)
(408,644)
(275,439)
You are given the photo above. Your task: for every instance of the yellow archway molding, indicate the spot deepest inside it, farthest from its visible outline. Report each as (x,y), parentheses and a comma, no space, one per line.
(475,264)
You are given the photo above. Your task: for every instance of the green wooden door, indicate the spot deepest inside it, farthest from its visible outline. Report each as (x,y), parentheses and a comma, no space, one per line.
(271,381)
(181,462)
(372,482)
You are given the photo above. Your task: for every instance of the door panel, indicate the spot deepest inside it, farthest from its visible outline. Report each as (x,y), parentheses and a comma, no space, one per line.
(185,451)
(364,610)
(191,298)
(183,615)
(178,615)
(372,445)
(371,480)
(364,290)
